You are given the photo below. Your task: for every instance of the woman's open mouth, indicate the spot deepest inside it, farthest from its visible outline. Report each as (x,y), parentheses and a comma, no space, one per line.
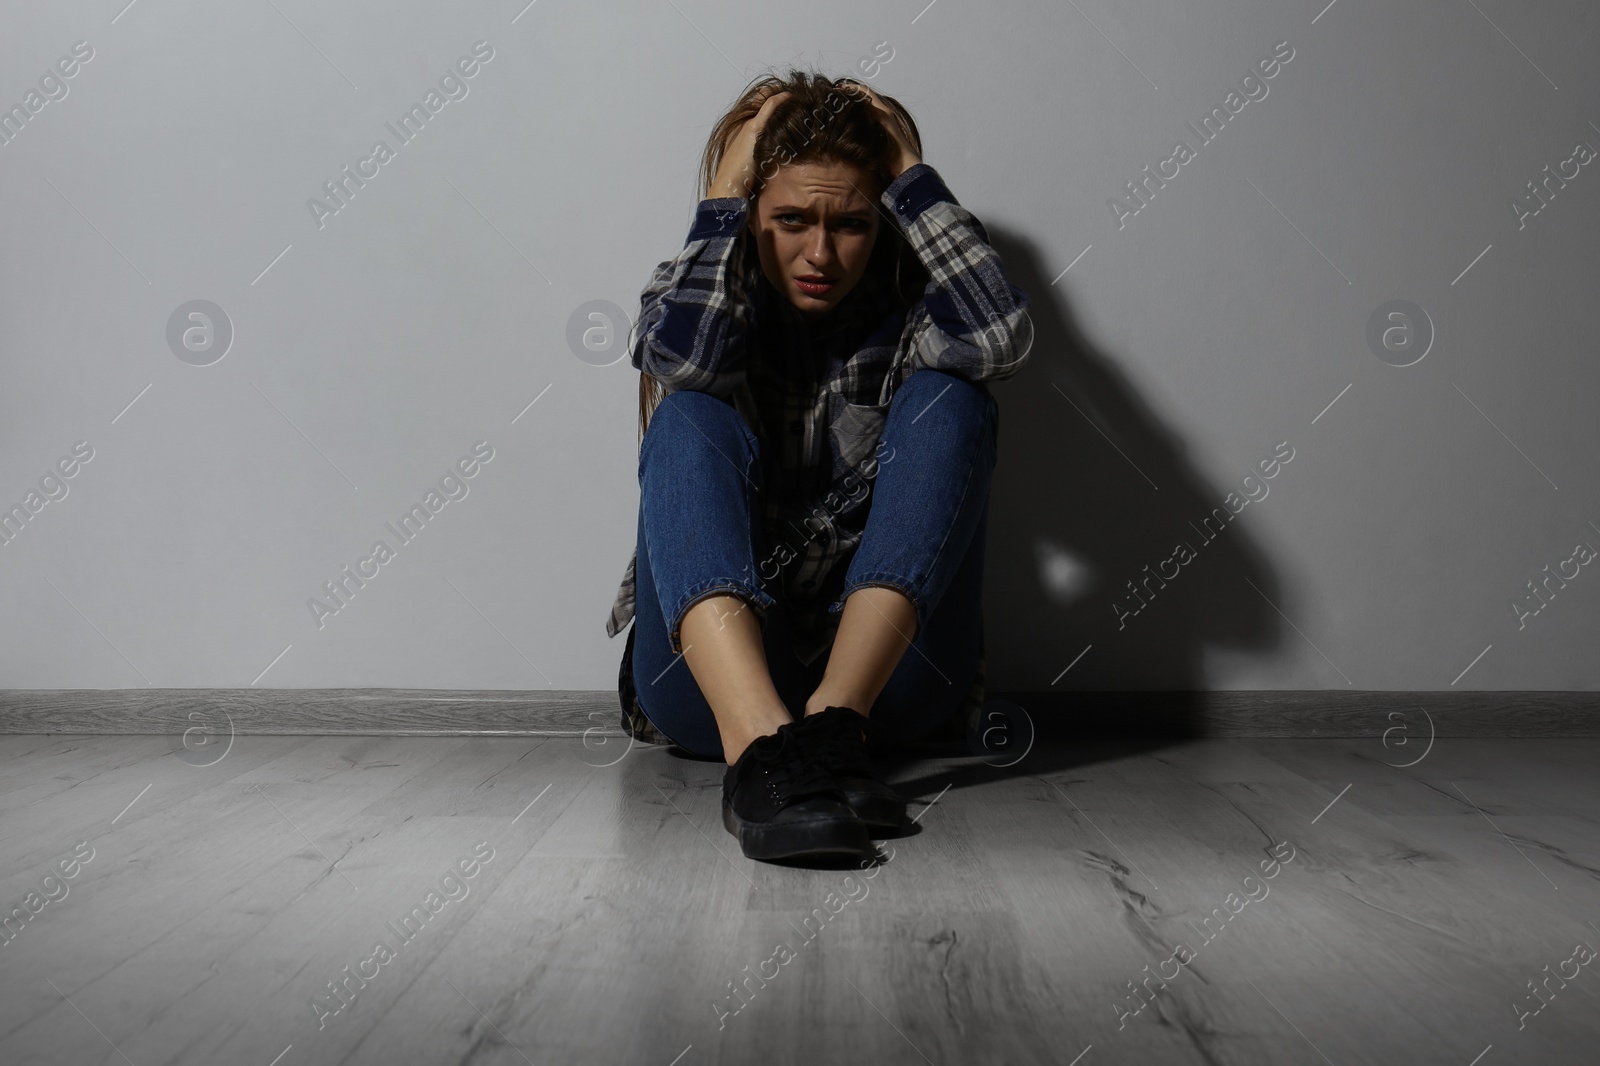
(815,285)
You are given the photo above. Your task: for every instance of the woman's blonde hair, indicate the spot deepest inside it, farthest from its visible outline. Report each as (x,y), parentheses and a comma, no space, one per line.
(822,121)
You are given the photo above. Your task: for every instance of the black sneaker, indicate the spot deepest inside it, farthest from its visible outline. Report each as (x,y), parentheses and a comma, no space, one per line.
(781,804)
(837,737)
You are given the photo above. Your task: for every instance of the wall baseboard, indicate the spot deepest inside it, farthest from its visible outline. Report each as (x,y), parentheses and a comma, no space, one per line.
(574,712)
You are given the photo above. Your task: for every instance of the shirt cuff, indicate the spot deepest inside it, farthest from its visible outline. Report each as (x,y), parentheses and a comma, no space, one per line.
(718,216)
(915,190)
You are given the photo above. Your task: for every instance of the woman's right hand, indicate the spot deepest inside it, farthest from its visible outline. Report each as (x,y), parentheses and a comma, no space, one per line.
(736,172)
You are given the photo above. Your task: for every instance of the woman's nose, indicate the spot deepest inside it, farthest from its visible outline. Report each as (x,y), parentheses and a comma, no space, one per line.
(821,251)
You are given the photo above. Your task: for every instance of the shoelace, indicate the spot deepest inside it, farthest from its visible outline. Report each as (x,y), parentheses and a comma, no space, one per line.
(792,772)
(846,753)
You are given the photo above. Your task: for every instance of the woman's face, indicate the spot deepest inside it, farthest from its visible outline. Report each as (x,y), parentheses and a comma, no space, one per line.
(815,221)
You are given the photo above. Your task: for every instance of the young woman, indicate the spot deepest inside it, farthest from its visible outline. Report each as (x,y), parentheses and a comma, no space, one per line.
(816,444)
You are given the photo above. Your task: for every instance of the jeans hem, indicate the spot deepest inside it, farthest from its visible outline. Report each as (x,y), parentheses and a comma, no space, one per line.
(757,598)
(881,579)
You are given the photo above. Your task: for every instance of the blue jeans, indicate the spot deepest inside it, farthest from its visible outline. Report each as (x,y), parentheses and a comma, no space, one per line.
(700,483)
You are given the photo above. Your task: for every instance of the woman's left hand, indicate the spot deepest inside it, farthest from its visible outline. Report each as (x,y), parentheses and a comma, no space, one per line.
(896,128)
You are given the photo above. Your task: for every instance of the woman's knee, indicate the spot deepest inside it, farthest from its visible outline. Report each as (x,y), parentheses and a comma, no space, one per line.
(926,384)
(967,407)
(697,423)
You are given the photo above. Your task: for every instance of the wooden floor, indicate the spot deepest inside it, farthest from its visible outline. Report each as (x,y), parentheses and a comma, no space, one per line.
(609,916)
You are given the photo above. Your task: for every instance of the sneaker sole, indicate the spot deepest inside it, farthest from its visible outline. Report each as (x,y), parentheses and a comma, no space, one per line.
(798,840)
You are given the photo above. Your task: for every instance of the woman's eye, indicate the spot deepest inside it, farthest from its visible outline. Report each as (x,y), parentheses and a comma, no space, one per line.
(855,225)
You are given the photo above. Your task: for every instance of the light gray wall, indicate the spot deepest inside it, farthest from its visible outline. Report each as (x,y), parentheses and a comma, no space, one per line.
(371,352)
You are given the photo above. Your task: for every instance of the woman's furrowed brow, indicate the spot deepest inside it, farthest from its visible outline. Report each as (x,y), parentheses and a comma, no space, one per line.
(861,213)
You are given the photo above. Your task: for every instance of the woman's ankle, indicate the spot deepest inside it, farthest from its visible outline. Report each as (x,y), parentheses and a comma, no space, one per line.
(736,739)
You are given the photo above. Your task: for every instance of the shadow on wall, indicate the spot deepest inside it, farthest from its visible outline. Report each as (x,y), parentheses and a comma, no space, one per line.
(1072,522)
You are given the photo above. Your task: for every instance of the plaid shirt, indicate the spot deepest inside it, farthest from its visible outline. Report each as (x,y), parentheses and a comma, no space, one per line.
(816,392)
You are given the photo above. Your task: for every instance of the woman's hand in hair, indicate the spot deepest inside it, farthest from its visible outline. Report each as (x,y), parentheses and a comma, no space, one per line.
(736,171)
(896,127)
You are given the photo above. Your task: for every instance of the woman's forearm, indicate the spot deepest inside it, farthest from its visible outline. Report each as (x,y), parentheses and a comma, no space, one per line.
(971,321)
